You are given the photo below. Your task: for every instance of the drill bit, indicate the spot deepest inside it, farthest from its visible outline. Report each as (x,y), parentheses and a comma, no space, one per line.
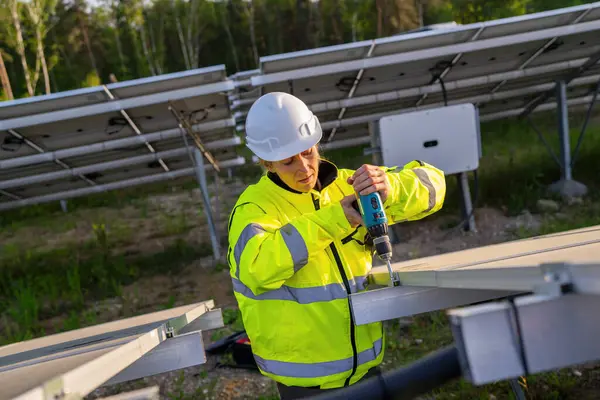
(393,277)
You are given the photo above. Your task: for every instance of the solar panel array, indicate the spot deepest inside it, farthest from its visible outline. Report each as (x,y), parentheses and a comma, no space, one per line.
(123,133)
(88,140)
(501,66)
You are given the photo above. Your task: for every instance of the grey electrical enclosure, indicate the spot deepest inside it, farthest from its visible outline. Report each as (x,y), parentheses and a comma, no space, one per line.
(446,137)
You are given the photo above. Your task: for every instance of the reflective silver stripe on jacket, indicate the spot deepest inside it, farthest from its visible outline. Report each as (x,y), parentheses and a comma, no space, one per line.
(424,178)
(330,292)
(296,245)
(292,238)
(317,369)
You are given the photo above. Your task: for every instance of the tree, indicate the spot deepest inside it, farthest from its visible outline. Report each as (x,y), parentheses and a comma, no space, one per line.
(39,12)
(15,8)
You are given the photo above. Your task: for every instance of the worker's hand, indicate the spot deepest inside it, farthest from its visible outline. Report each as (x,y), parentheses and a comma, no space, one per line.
(352,215)
(369,179)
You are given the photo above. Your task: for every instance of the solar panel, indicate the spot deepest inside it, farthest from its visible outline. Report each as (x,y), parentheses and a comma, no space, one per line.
(545,291)
(94,95)
(479,274)
(76,362)
(576,30)
(130,136)
(400,72)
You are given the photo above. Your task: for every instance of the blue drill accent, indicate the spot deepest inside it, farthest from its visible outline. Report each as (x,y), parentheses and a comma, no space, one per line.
(371,209)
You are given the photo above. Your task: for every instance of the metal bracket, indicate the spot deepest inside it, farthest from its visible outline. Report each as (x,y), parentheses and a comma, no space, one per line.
(170,331)
(394,279)
(557,280)
(371,150)
(185,125)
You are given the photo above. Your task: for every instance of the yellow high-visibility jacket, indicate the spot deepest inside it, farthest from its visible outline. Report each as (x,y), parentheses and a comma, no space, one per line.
(294,259)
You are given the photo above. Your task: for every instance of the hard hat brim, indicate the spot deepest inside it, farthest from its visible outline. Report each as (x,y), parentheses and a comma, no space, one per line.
(290,150)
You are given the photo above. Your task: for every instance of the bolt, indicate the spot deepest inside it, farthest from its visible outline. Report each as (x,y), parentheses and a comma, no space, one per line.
(552,277)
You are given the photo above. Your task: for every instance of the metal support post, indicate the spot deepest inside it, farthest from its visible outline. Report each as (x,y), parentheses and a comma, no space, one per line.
(566,186)
(201,175)
(375,150)
(63,205)
(217,181)
(467,205)
(563,130)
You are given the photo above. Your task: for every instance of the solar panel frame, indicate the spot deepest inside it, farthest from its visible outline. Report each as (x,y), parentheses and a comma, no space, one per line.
(424,54)
(93,95)
(536,54)
(521,255)
(83,140)
(76,362)
(103,168)
(378,110)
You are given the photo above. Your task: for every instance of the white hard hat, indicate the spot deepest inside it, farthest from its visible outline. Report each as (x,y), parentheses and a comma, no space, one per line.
(279,126)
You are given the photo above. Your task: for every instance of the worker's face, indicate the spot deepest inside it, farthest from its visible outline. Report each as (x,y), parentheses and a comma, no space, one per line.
(300,171)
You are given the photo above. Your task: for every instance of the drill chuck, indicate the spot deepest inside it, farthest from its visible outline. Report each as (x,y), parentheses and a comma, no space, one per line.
(383,247)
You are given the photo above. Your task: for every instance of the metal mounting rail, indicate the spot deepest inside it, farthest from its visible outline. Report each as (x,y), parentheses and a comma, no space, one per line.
(185,125)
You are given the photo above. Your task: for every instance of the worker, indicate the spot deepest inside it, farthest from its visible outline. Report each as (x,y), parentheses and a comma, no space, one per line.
(297,249)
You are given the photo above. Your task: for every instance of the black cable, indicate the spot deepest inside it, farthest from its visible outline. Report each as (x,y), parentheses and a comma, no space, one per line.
(519,335)
(444,93)
(420,377)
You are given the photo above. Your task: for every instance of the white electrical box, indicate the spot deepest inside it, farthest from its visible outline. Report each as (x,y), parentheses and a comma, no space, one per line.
(447,138)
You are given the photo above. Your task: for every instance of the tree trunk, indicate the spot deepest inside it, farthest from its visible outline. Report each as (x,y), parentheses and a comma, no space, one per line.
(229,37)
(20,45)
(120,49)
(157,63)
(145,49)
(318,36)
(186,57)
(35,13)
(380,6)
(86,39)
(115,15)
(249,11)
(338,24)
(4,79)
(192,22)
(42,56)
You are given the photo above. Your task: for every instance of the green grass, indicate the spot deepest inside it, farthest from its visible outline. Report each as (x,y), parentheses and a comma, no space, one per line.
(36,285)
(40,214)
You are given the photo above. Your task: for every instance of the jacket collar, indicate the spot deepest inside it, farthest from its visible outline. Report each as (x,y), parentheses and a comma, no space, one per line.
(328,173)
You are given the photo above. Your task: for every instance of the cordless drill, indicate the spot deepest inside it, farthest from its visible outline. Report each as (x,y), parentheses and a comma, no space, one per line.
(370,207)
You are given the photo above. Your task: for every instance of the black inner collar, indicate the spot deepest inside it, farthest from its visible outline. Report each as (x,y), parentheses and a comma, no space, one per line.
(327,174)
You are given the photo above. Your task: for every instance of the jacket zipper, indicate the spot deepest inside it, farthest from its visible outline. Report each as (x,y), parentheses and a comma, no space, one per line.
(338,261)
